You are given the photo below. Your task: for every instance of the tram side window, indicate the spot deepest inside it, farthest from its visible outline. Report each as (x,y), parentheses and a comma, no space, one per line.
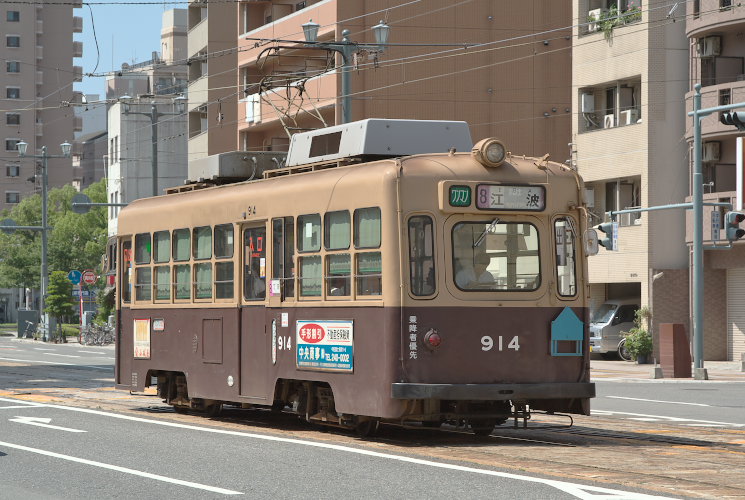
(496,256)
(224,270)
(565,240)
(161,247)
(310,276)
(283,251)
(126,270)
(162,282)
(143,275)
(202,242)
(421,255)
(182,273)
(142,283)
(337,229)
(142,248)
(367,231)
(181,245)
(254,272)
(203,280)
(162,274)
(309,233)
(337,235)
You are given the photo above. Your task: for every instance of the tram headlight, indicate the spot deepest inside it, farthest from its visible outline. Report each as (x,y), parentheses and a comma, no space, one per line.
(489,152)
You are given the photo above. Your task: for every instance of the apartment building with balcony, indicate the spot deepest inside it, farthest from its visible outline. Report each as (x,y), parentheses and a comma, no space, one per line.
(36,85)
(627,143)
(213,97)
(716,49)
(516,86)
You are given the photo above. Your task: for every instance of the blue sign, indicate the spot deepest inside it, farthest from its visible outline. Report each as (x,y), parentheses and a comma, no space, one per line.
(74,276)
(325,345)
(86,293)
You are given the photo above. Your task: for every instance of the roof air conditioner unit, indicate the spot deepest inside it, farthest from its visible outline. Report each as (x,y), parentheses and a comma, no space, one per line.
(710,46)
(629,117)
(587,103)
(711,151)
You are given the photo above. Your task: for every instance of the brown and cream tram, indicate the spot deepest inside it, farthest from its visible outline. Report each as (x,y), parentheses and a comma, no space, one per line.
(369,280)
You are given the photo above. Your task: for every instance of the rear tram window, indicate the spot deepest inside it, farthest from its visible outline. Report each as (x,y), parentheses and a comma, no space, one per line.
(181,245)
(310,276)
(309,233)
(369,268)
(143,283)
(162,283)
(224,241)
(254,274)
(339,274)
(126,270)
(224,280)
(565,237)
(203,281)
(421,255)
(337,227)
(182,273)
(161,246)
(283,252)
(142,248)
(496,256)
(202,242)
(367,227)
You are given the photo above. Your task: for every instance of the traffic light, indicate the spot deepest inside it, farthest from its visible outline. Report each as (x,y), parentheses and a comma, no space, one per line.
(733,220)
(610,229)
(736,118)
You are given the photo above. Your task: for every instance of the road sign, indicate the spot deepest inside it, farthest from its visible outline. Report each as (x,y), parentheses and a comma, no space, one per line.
(74,276)
(81,203)
(89,277)
(716,224)
(6,224)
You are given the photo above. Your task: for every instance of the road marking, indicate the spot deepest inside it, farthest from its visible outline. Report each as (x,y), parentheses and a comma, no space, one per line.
(94,352)
(65,355)
(42,349)
(664,418)
(42,422)
(580,491)
(657,401)
(14,406)
(110,368)
(126,470)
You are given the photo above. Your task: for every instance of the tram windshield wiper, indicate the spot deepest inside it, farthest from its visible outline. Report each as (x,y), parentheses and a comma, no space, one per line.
(488,230)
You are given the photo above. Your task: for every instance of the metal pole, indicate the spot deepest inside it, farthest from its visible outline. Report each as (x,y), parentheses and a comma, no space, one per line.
(44,270)
(154,159)
(346,75)
(698,242)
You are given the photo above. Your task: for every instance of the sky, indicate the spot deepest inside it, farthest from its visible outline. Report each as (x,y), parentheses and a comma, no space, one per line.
(125,33)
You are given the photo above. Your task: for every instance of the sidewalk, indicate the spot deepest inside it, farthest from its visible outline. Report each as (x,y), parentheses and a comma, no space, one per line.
(719,371)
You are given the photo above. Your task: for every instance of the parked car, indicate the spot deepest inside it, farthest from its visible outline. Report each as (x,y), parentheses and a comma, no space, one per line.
(607,324)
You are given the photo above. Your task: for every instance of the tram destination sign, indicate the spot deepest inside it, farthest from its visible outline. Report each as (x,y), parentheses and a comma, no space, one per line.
(506,197)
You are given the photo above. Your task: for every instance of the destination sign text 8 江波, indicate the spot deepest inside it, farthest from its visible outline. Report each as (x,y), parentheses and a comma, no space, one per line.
(502,197)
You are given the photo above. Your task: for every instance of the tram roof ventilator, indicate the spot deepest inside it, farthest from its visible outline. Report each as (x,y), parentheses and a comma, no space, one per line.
(377,138)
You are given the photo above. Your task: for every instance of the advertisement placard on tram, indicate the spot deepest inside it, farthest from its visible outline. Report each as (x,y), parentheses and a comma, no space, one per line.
(325,345)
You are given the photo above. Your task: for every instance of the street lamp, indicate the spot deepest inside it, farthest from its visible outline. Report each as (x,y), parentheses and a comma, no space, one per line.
(22,150)
(347,49)
(154,114)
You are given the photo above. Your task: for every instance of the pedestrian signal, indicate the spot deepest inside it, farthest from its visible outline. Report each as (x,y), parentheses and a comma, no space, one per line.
(610,240)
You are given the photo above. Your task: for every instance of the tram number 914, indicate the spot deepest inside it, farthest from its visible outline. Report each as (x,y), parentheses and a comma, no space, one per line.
(487,343)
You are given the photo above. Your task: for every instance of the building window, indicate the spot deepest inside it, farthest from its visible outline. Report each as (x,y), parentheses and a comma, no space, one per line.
(13,16)
(12,119)
(12,92)
(12,197)
(12,170)
(300,5)
(13,67)
(11,144)
(13,41)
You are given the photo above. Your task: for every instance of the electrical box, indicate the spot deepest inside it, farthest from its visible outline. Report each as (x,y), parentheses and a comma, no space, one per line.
(587,102)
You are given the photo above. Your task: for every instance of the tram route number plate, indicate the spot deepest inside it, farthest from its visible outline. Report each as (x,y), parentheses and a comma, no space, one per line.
(325,345)
(504,197)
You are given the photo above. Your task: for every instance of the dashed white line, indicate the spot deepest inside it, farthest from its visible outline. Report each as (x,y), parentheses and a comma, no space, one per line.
(658,401)
(109,368)
(65,355)
(653,418)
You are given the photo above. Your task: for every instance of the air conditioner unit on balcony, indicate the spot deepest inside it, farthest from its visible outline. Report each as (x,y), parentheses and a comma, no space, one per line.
(629,117)
(587,102)
(609,121)
(710,46)
(711,151)
(593,16)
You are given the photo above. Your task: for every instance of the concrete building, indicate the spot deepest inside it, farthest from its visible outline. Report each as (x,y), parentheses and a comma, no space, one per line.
(717,62)
(515,87)
(89,159)
(629,85)
(213,33)
(36,81)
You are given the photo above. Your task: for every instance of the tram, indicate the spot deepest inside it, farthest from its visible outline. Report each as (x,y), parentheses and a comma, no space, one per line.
(390,272)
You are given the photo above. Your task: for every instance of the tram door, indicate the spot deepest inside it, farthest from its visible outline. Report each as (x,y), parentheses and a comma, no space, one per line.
(255,348)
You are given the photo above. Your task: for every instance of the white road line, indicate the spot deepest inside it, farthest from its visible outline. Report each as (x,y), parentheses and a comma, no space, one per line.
(42,349)
(15,406)
(65,355)
(94,352)
(665,418)
(657,401)
(126,470)
(580,491)
(57,363)
(42,422)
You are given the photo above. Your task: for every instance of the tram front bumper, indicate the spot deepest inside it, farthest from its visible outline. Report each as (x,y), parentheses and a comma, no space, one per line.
(494,392)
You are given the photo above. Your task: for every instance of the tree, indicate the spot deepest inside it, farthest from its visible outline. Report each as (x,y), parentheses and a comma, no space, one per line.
(59,299)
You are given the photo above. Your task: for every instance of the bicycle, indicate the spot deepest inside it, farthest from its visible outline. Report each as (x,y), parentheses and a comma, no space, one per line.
(30,331)
(97,335)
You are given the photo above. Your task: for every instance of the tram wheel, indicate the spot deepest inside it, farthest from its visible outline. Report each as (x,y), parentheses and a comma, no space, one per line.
(213,410)
(483,427)
(182,410)
(368,428)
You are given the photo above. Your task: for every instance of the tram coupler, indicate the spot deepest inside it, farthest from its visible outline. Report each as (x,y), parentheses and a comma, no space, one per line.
(521,411)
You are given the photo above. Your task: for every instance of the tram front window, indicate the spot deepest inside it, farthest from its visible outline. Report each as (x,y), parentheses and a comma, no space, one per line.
(501,256)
